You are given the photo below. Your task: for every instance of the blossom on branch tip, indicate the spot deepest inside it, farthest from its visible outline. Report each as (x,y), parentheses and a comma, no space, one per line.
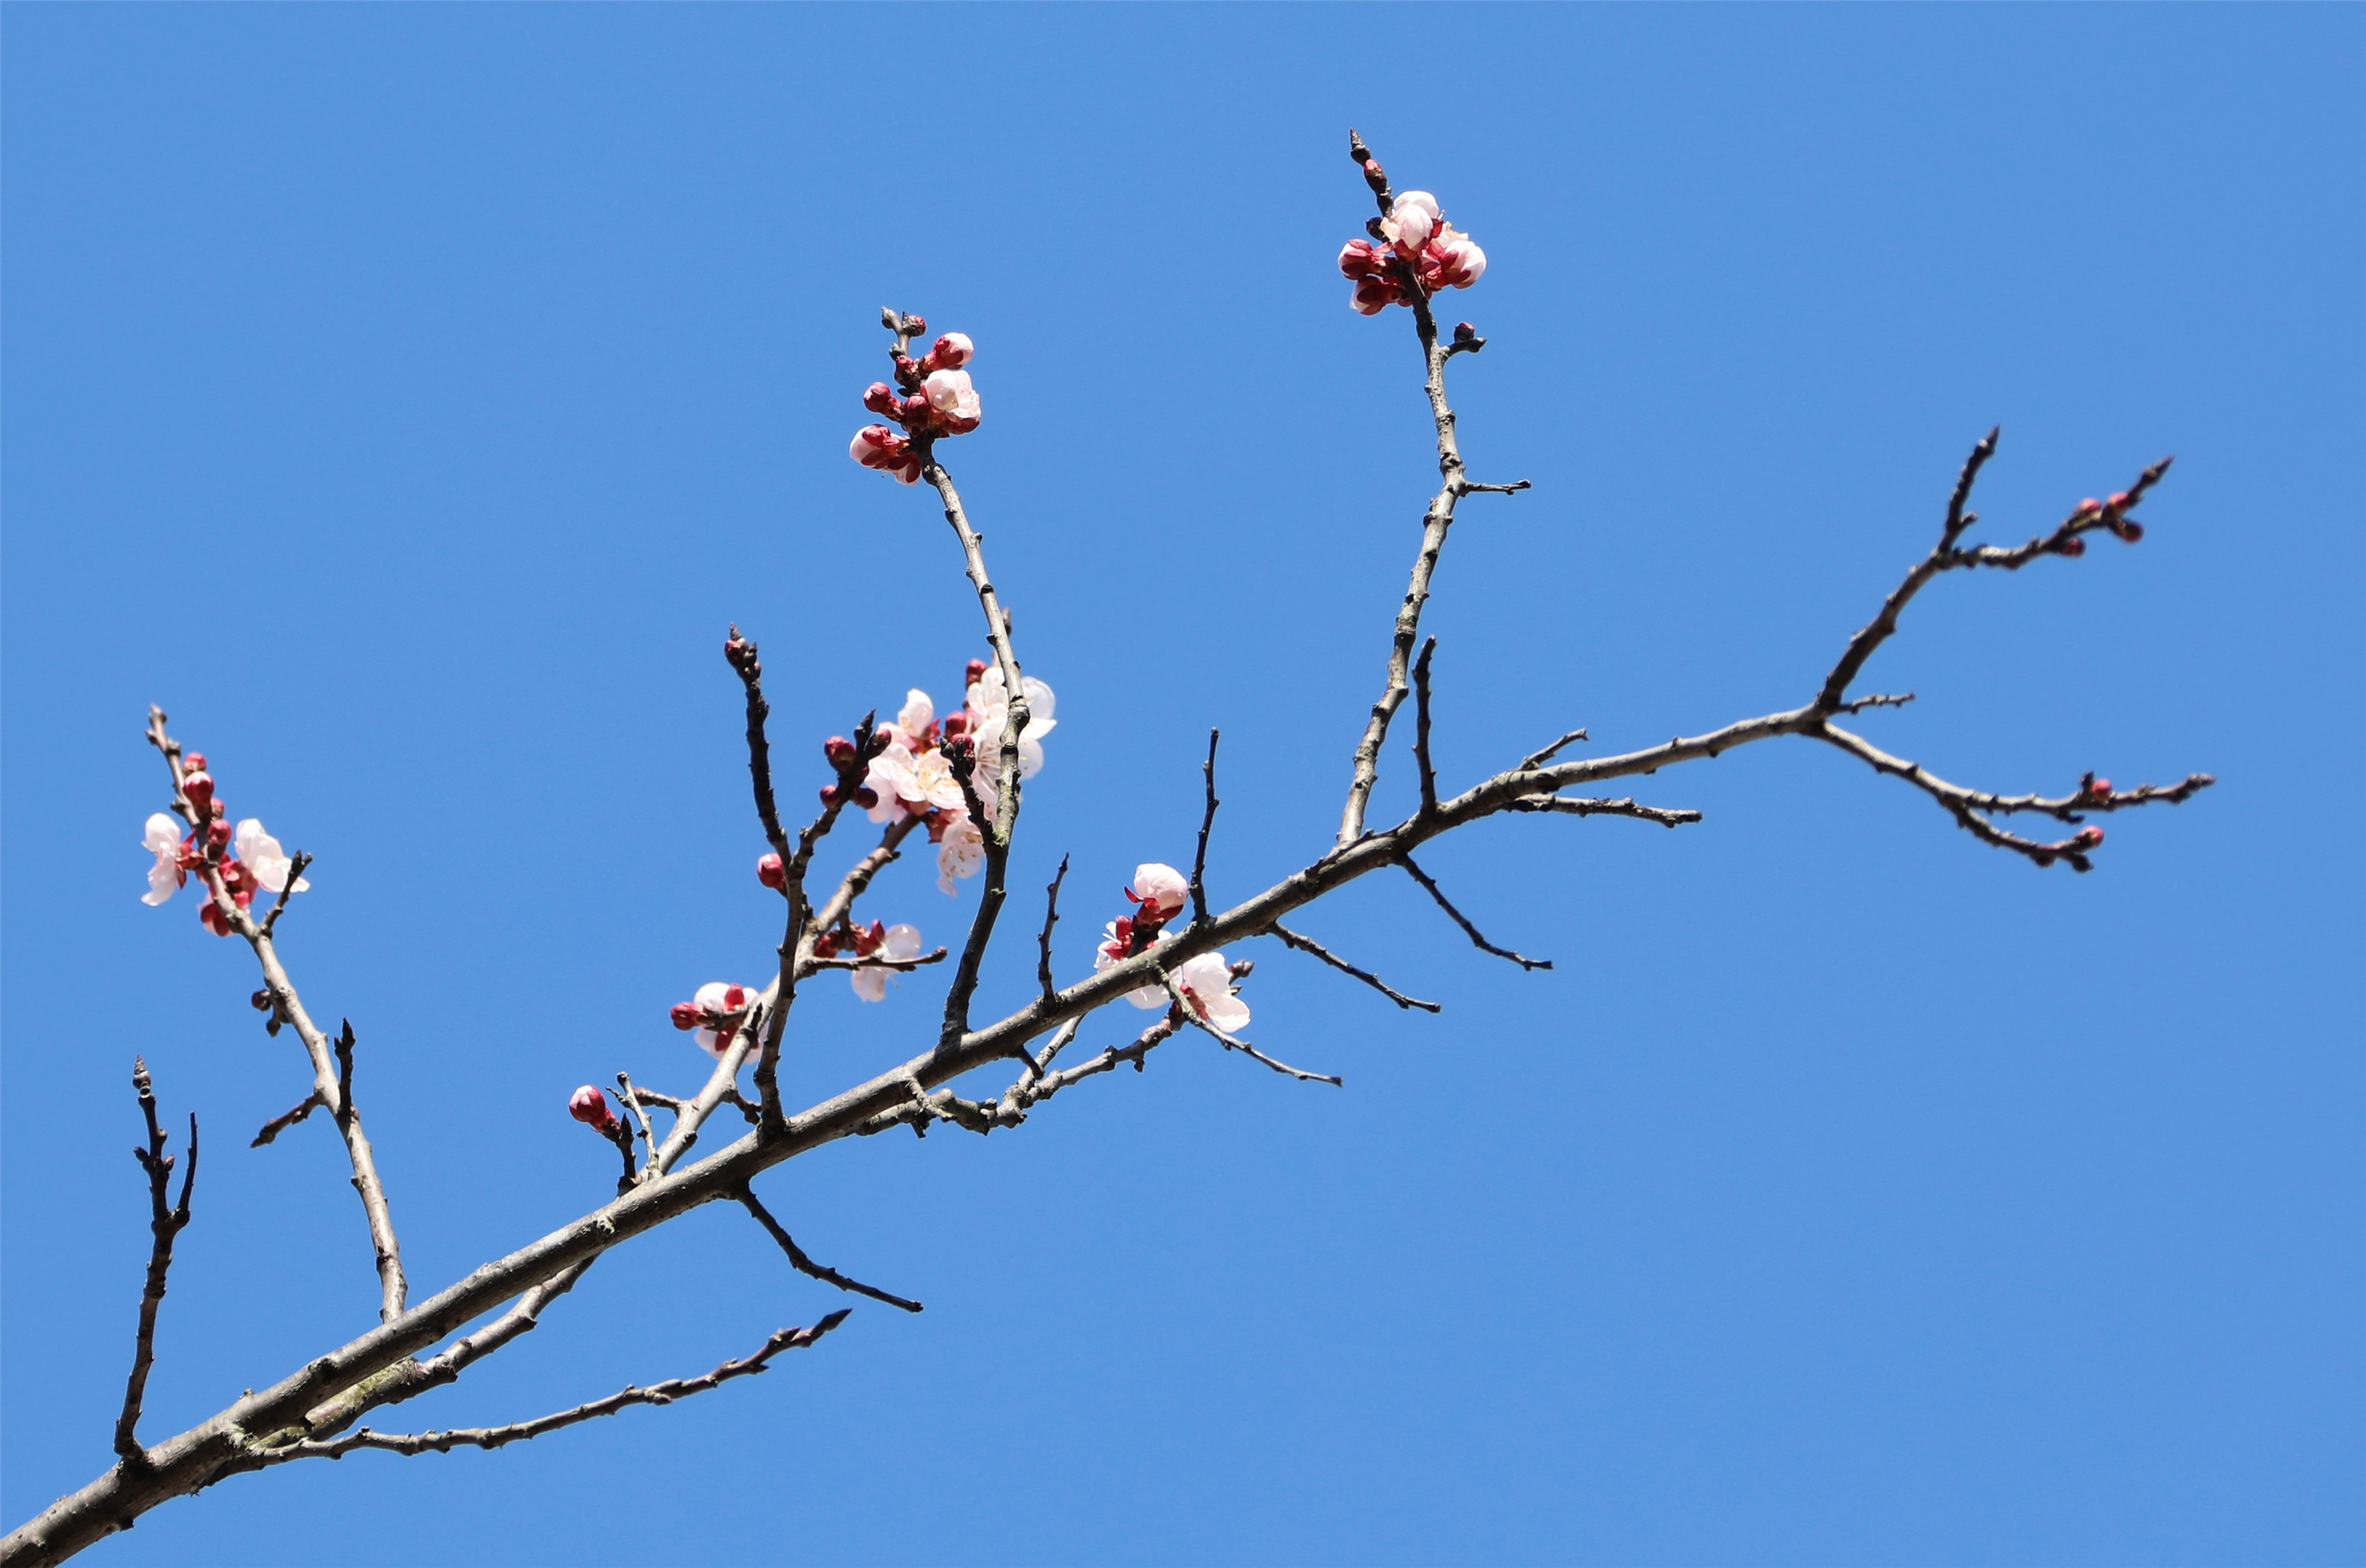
(163,840)
(589,1106)
(270,863)
(1418,249)
(894,942)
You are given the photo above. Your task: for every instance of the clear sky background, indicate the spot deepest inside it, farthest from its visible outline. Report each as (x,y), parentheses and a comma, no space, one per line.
(406,398)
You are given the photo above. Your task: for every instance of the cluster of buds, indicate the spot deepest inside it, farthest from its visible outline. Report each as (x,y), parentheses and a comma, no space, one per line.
(1413,248)
(877,939)
(918,763)
(935,398)
(715,1012)
(589,1106)
(2108,513)
(1157,895)
(247,858)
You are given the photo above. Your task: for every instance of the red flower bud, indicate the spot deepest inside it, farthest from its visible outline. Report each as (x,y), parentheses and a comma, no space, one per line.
(684,1015)
(2118,501)
(838,750)
(969,674)
(2100,789)
(2088,838)
(830,795)
(2072,547)
(217,831)
(865,796)
(589,1106)
(880,399)
(199,788)
(195,761)
(209,915)
(259,1001)
(2130,529)
(2089,504)
(915,325)
(769,872)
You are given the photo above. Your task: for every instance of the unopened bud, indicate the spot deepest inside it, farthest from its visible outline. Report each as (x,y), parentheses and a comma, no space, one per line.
(244,898)
(956,723)
(916,325)
(195,761)
(2100,789)
(589,1106)
(2072,547)
(2117,503)
(769,872)
(2089,504)
(217,831)
(830,795)
(261,1000)
(209,915)
(838,750)
(684,1015)
(1464,332)
(865,796)
(880,399)
(2130,530)
(2088,838)
(200,787)
(740,652)
(976,669)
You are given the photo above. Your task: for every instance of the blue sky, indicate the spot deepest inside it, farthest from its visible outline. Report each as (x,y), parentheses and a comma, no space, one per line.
(405,398)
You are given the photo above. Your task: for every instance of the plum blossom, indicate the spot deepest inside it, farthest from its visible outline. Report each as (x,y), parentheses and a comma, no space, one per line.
(915,719)
(1206,982)
(261,852)
(589,1106)
(895,941)
(936,397)
(1118,942)
(714,1013)
(988,704)
(960,852)
(163,840)
(1418,248)
(914,783)
(1159,888)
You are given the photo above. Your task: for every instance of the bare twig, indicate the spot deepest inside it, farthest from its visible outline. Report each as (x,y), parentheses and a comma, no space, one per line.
(1044,942)
(163,1224)
(296,865)
(1469,929)
(1571,805)
(805,1265)
(741,653)
(632,1099)
(1207,825)
(497,1436)
(1199,1021)
(285,1120)
(1421,729)
(1308,944)
(1537,758)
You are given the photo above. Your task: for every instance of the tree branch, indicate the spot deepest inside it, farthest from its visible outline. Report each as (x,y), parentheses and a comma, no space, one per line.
(1469,929)
(1207,825)
(163,1224)
(805,1265)
(1044,942)
(1573,807)
(1421,729)
(1308,944)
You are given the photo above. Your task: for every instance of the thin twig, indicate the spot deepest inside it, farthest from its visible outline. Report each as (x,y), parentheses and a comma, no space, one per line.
(648,1138)
(1572,805)
(1308,944)
(1538,759)
(741,653)
(1051,919)
(296,865)
(285,1120)
(1421,729)
(1207,825)
(163,1224)
(497,1436)
(1468,928)
(805,1265)
(1199,1021)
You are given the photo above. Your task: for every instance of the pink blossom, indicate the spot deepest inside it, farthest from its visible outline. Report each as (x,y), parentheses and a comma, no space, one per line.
(260,851)
(876,447)
(1459,261)
(1411,222)
(1159,888)
(1117,945)
(716,1013)
(953,398)
(900,941)
(913,782)
(950,352)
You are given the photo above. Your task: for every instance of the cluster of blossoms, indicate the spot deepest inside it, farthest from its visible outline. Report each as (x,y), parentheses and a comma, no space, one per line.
(913,774)
(877,939)
(1158,894)
(936,399)
(251,859)
(1417,248)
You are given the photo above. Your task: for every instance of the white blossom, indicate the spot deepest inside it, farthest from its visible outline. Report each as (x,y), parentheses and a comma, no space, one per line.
(725,999)
(989,709)
(163,840)
(1208,981)
(922,780)
(1412,220)
(950,393)
(961,854)
(902,941)
(1112,950)
(263,856)
(1161,887)
(917,714)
